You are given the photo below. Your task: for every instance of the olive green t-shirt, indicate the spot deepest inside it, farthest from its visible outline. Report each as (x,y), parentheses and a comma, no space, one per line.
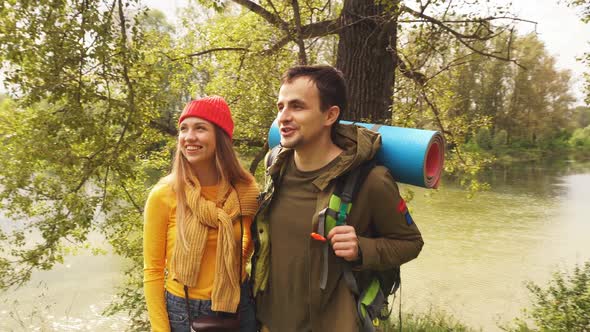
(284,306)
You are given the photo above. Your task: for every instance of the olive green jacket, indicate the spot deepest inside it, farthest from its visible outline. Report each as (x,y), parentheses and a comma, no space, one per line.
(385,237)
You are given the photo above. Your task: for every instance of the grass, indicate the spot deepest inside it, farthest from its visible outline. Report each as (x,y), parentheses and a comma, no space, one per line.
(431,321)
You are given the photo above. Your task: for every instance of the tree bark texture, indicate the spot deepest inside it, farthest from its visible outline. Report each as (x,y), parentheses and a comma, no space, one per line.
(366,56)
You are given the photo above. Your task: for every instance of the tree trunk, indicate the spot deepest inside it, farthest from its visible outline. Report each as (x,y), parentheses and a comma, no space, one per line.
(366,56)
(258,158)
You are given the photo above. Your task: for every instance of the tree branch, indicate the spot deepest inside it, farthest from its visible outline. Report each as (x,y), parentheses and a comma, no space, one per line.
(436,112)
(423,7)
(441,24)
(277,46)
(129,85)
(475,20)
(312,30)
(135,205)
(445,132)
(408,71)
(456,62)
(298,37)
(248,142)
(164,128)
(323,28)
(265,14)
(105,184)
(460,36)
(216,49)
(258,158)
(308,31)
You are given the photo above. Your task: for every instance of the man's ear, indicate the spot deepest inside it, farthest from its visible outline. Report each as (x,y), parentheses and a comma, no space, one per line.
(332,115)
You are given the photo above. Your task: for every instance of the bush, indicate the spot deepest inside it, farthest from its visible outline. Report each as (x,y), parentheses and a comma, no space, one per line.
(431,321)
(581,137)
(564,305)
(483,138)
(500,139)
(471,146)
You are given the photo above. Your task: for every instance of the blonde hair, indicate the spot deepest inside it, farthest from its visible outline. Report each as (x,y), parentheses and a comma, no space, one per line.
(228,167)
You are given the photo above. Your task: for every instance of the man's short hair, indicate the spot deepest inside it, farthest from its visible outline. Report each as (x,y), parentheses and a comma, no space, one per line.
(329,81)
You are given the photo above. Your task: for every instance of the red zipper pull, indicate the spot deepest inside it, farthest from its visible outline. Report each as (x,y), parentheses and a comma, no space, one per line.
(318,237)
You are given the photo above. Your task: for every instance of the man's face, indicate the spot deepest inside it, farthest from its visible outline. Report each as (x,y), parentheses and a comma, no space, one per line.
(300,118)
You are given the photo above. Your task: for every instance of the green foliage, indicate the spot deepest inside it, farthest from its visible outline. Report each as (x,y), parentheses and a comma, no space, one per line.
(131,299)
(581,138)
(557,141)
(465,163)
(488,106)
(431,321)
(581,117)
(91,122)
(253,88)
(563,305)
(483,138)
(500,140)
(584,5)
(95,91)
(89,128)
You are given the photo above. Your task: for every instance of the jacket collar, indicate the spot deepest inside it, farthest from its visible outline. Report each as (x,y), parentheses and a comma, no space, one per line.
(359,145)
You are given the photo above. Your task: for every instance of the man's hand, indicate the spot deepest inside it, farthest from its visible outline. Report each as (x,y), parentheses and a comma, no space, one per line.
(344,242)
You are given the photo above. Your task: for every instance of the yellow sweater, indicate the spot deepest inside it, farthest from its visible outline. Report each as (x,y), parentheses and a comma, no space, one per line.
(159,235)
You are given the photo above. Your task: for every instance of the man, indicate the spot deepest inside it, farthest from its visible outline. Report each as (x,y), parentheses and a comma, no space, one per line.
(287,264)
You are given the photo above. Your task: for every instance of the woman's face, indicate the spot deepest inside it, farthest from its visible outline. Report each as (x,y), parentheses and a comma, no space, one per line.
(196,140)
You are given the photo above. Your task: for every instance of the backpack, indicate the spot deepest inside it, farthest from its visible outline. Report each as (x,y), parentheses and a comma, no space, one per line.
(372,289)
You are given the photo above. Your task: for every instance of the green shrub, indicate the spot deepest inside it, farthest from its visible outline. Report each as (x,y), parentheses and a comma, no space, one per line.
(471,146)
(431,321)
(483,138)
(558,141)
(581,137)
(522,143)
(564,305)
(500,139)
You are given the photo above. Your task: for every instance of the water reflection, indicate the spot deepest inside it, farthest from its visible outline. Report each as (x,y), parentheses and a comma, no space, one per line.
(479,252)
(70,297)
(477,255)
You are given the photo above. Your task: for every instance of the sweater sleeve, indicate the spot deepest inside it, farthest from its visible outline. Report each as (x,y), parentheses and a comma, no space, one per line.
(248,246)
(155,230)
(399,239)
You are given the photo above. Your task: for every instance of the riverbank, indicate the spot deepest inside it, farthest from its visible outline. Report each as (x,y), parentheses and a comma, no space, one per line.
(72,296)
(521,155)
(431,321)
(478,253)
(507,155)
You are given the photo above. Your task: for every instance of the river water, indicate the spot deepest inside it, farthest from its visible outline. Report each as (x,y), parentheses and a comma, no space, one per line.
(70,297)
(478,253)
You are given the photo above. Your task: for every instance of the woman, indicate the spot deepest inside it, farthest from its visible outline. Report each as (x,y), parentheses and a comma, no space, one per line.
(196,218)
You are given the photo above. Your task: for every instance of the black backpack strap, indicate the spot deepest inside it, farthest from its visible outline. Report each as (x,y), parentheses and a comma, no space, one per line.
(347,187)
(350,183)
(365,169)
(372,302)
(351,190)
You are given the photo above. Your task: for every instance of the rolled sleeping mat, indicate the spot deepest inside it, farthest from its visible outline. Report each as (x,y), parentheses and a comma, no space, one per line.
(413,156)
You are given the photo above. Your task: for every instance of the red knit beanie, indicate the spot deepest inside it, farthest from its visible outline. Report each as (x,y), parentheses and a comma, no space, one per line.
(213,109)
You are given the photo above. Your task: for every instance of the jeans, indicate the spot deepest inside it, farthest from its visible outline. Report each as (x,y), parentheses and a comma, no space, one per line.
(177,313)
